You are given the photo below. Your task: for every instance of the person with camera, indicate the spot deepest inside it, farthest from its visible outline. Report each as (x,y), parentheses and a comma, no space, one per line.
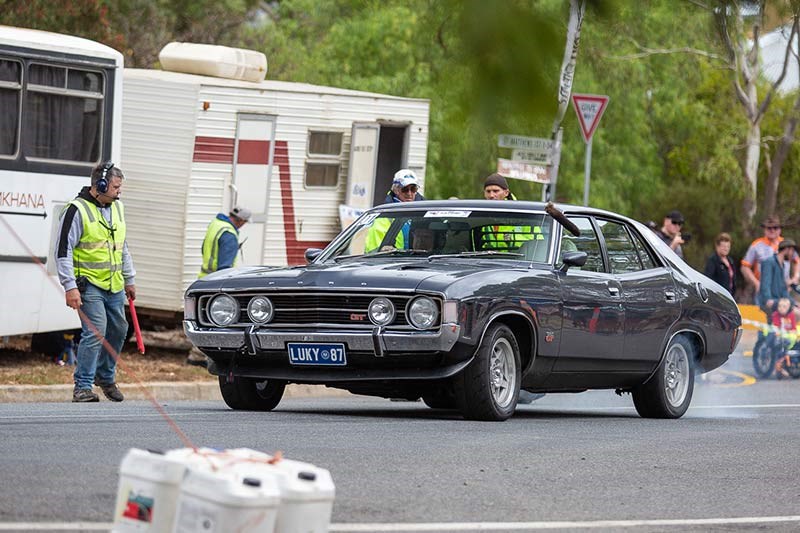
(670,232)
(96,270)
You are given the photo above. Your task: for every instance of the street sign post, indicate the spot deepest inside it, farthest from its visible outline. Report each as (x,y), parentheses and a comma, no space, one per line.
(523,170)
(590,108)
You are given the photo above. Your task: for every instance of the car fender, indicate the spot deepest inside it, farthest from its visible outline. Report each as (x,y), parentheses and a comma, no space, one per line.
(498,317)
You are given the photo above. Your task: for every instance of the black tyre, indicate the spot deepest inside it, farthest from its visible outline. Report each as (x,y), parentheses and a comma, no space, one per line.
(668,393)
(251,394)
(763,359)
(489,387)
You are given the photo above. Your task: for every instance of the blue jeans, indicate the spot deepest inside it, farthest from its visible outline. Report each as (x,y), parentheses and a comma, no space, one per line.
(106,311)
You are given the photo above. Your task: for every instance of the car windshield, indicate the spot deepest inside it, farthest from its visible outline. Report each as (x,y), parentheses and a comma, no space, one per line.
(437,234)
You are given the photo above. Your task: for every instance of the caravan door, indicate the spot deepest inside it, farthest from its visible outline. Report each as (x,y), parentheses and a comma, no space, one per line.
(252,173)
(363,165)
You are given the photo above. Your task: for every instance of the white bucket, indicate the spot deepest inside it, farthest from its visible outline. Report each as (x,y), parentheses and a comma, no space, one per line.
(220,502)
(149,483)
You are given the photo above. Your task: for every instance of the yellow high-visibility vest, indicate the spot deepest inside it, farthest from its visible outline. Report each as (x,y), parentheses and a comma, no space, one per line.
(215,230)
(98,255)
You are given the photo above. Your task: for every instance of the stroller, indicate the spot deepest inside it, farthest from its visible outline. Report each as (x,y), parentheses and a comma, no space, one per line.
(772,344)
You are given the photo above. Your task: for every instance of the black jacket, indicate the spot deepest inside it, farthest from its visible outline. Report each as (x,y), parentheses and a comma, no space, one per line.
(716,270)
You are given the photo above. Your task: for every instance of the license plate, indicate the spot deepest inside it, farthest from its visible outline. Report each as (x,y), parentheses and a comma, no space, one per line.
(316,353)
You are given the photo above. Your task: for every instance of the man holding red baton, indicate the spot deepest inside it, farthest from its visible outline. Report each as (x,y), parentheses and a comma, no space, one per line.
(96,271)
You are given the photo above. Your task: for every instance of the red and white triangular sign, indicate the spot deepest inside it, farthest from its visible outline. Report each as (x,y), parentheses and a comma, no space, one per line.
(589,108)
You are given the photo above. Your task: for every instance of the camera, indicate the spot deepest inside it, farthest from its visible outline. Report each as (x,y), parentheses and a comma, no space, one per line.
(686,237)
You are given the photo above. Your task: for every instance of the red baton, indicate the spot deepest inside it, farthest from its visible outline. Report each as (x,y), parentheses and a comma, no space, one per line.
(136,330)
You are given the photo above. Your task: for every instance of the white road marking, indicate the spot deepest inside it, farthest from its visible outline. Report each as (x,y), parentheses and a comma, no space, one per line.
(453,526)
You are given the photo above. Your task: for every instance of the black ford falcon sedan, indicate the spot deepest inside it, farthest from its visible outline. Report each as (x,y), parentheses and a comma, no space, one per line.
(464,304)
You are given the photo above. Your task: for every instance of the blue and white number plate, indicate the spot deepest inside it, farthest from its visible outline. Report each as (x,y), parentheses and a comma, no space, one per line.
(317,353)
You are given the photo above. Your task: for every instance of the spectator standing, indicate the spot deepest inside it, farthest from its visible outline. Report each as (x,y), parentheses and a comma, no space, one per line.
(96,270)
(772,286)
(670,232)
(762,249)
(719,265)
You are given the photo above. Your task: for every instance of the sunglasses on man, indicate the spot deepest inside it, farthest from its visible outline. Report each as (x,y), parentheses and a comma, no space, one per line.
(410,188)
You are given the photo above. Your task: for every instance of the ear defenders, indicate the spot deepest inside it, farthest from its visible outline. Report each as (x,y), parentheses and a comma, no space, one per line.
(102,183)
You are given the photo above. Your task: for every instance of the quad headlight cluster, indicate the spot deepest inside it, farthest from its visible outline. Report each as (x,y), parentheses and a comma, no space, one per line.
(421,312)
(223,310)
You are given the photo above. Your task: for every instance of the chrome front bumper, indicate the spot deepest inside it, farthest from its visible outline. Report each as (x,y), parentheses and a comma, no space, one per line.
(378,340)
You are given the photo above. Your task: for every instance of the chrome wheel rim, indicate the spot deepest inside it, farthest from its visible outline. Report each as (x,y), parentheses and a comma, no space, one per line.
(502,373)
(262,390)
(676,375)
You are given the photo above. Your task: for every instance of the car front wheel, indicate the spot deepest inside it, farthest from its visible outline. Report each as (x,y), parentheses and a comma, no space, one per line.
(668,393)
(489,387)
(251,394)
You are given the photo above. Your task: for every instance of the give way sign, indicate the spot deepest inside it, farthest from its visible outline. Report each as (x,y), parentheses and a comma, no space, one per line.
(589,108)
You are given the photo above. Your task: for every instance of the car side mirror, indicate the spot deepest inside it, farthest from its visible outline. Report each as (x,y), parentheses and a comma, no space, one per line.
(313,253)
(576,259)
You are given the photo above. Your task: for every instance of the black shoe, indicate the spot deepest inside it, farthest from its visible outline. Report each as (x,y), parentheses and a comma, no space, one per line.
(112,392)
(84,395)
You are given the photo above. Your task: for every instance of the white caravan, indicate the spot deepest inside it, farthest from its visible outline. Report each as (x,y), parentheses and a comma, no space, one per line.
(292,153)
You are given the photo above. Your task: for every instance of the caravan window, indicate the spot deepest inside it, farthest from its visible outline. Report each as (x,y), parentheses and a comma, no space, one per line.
(10,98)
(324,143)
(324,158)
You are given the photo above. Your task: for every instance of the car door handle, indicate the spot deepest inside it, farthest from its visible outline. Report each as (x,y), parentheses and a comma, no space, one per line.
(613,291)
(669,295)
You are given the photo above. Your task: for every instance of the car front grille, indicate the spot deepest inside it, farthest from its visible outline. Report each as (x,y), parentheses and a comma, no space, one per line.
(303,309)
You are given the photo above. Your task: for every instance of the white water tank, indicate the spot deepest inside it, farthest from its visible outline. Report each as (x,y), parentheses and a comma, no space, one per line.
(214,60)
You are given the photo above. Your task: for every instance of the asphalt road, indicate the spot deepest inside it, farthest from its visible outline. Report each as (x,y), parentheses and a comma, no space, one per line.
(567,462)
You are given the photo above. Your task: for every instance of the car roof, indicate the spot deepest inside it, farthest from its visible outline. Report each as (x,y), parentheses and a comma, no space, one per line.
(504,205)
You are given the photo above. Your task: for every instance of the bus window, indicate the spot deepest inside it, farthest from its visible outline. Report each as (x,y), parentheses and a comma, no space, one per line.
(64,105)
(10,90)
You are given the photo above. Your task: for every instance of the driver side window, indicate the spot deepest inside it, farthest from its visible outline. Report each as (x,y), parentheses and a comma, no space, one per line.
(587,242)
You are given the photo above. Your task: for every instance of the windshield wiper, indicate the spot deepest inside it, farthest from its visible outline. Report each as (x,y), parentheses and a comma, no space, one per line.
(485,253)
(401,251)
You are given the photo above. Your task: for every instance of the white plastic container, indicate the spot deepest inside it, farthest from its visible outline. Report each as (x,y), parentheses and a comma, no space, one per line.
(149,484)
(221,502)
(307,494)
(214,60)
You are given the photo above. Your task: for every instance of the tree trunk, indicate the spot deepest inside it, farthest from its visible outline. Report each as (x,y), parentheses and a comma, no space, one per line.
(751,170)
(774,178)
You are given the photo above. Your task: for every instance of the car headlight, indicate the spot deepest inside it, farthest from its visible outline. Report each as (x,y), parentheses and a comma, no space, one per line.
(260,309)
(223,310)
(422,312)
(381,311)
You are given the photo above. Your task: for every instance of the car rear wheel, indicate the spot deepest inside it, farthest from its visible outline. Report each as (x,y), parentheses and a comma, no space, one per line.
(251,394)
(668,393)
(489,387)
(763,360)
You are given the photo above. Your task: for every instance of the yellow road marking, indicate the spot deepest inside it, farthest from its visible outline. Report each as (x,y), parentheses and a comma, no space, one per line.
(747,380)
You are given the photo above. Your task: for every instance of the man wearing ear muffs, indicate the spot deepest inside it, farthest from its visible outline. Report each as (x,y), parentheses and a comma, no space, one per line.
(96,271)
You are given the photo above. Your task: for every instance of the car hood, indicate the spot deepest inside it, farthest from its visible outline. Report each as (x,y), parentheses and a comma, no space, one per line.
(361,275)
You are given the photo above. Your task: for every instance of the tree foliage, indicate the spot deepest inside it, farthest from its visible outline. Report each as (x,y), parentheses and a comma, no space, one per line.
(672,137)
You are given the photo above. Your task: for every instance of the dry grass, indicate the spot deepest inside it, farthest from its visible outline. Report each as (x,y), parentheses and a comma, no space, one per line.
(165,362)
